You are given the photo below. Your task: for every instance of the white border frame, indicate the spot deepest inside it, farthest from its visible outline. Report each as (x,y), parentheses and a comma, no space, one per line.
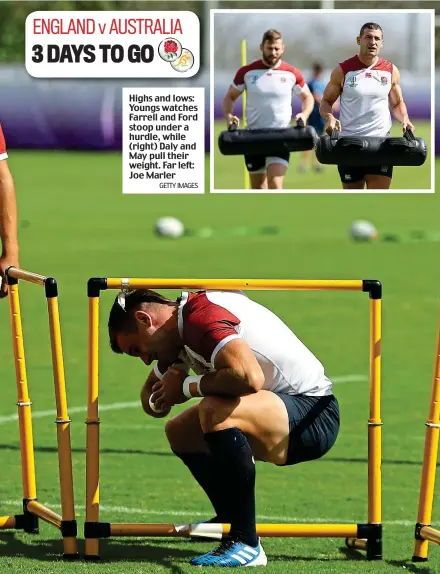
(213,12)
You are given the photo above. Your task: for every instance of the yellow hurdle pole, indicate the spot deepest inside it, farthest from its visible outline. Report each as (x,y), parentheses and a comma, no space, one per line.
(63,424)
(430,457)
(430,534)
(45,513)
(24,408)
(92,448)
(238,284)
(374,422)
(7,522)
(243,63)
(26,276)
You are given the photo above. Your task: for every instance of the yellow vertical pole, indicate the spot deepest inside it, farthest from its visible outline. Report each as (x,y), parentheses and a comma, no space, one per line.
(24,402)
(426,498)
(63,425)
(374,422)
(243,63)
(92,449)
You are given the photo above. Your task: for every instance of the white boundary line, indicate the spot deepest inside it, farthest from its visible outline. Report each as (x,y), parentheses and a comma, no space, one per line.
(214,12)
(196,514)
(134,404)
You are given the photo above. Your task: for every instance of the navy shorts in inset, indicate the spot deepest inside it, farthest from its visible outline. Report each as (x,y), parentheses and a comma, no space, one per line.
(351,174)
(313,426)
(258,163)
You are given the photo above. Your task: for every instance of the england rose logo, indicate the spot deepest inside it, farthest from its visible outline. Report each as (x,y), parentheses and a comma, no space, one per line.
(170,49)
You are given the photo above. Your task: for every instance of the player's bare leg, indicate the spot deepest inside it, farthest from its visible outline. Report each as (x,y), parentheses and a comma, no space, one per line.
(378,182)
(275,175)
(262,417)
(354,185)
(258,180)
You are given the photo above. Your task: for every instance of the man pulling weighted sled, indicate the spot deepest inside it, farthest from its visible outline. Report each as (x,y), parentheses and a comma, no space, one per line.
(358,143)
(268,141)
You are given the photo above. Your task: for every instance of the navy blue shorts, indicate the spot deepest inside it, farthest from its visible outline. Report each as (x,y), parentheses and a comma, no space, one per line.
(313,426)
(350,174)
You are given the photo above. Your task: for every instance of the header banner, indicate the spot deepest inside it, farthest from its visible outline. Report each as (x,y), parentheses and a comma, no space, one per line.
(120,44)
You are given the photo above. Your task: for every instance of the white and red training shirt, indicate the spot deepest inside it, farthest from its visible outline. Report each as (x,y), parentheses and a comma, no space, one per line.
(269,93)
(208,320)
(3,151)
(364,100)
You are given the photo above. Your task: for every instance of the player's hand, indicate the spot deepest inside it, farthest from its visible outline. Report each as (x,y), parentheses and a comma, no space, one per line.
(332,124)
(6,262)
(169,391)
(407,125)
(302,117)
(232,120)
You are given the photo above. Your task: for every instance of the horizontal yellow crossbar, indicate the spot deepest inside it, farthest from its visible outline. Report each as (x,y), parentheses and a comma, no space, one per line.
(44,513)
(26,276)
(431,534)
(209,530)
(239,284)
(7,522)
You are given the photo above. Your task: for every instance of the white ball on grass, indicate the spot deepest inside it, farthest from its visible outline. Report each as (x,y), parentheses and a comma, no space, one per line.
(169,227)
(362,230)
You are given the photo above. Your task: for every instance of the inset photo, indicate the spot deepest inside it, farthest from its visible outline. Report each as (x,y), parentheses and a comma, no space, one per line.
(322,101)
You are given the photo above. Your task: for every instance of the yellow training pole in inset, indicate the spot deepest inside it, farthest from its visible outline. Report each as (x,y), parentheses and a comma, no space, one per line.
(24,408)
(429,465)
(63,429)
(243,63)
(92,449)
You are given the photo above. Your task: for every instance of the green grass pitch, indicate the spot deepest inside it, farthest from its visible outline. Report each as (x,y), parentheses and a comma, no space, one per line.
(75,223)
(229,170)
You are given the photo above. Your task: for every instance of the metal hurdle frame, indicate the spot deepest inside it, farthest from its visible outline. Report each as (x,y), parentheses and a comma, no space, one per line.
(366,536)
(424,533)
(32,509)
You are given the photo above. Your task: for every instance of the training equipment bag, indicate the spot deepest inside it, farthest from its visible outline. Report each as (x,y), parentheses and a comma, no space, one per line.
(267,141)
(367,151)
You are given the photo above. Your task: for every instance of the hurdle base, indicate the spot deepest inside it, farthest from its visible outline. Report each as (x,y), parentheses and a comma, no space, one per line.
(30,520)
(369,539)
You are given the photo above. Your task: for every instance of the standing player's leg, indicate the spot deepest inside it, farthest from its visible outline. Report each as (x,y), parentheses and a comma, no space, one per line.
(276,170)
(379,177)
(351,177)
(256,166)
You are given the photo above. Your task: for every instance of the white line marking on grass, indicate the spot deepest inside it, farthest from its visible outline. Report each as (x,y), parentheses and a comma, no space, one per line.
(188,513)
(134,404)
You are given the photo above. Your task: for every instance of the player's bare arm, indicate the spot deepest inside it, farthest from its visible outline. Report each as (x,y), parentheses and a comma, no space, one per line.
(237,374)
(228,106)
(331,93)
(397,104)
(307,104)
(8,224)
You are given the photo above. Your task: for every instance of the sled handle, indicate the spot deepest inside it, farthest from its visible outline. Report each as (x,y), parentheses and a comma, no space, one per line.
(409,135)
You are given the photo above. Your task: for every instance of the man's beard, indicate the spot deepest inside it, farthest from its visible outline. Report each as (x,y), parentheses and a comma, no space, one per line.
(271,60)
